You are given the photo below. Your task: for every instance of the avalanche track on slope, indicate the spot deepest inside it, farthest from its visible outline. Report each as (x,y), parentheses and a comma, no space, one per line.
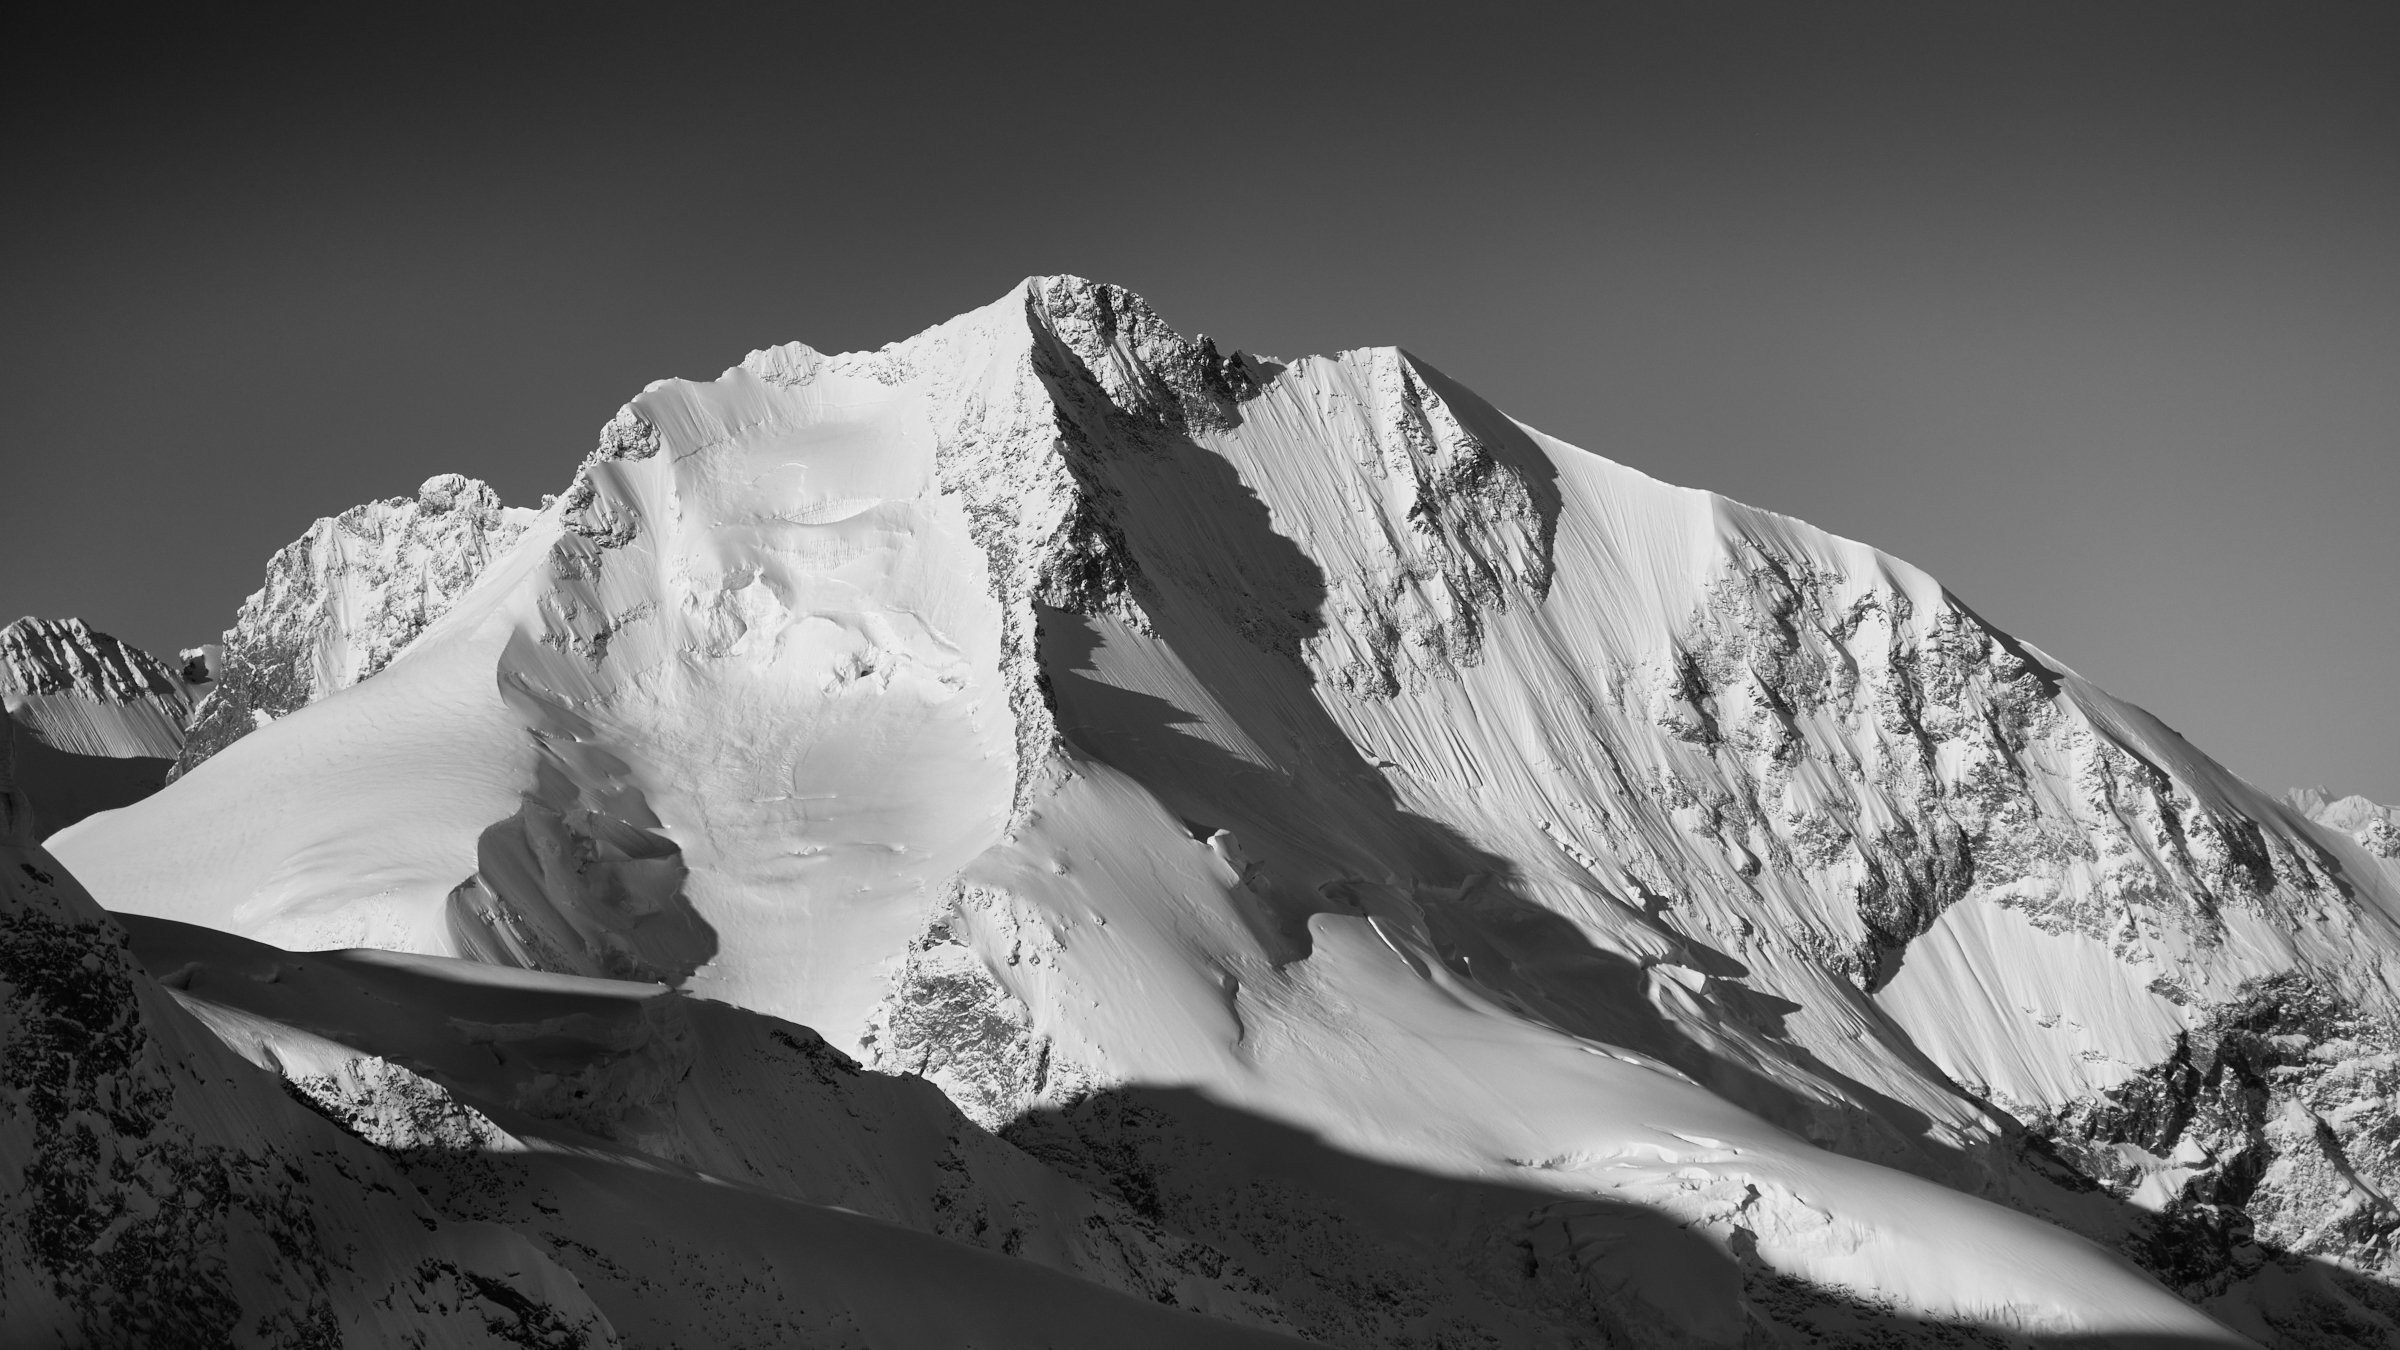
(1057,707)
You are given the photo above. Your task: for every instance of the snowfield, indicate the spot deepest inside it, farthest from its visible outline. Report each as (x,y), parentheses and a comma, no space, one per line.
(1354,866)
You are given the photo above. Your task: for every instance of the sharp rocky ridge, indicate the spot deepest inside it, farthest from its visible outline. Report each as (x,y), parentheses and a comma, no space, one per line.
(1072,712)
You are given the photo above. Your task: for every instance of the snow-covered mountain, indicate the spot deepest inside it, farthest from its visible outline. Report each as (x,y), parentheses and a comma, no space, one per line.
(83,692)
(1334,820)
(92,723)
(341,600)
(2373,825)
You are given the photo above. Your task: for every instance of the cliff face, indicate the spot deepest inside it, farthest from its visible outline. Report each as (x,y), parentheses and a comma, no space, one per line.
(1057,707)
(343,599)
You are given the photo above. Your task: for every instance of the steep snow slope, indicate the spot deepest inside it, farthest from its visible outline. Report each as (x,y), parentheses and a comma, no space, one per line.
(355,818)
(343,599)
(1053,705)
(159,1191)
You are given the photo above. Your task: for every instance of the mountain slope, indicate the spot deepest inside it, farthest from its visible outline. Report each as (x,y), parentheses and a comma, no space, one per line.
(162,1192)
(1058,708)
(425,1053)
(83,692)
(92,724)
(165,1192)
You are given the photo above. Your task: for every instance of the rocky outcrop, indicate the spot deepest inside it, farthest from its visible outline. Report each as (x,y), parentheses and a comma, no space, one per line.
(947,1019)
(1894,763)
(343,599)
(2263,1147)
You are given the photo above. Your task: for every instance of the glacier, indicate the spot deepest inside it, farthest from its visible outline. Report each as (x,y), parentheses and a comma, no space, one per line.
(1294,789)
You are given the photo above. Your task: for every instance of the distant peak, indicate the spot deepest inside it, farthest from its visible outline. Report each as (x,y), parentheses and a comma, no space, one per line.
(69,656)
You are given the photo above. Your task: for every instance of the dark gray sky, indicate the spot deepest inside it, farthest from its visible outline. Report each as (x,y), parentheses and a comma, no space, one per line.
(2091,309)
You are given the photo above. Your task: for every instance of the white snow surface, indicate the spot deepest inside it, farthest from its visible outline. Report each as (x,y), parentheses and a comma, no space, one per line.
(1048,703)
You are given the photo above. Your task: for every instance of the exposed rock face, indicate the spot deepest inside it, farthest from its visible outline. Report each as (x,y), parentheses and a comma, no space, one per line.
(200,665)
(397,1110)
(1894,762)
(1863,763)
(342,600)
(2269,1137)
(949,1021)
(85,693)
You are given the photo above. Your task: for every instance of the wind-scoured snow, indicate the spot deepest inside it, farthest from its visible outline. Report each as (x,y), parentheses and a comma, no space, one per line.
(1085,718)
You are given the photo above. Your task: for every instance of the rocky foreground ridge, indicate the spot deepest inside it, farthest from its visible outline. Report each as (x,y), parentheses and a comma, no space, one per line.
(1146,743)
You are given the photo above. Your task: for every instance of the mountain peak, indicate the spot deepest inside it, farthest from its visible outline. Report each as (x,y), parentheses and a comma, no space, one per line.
(80,691)
(58,656)
(1056,708)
